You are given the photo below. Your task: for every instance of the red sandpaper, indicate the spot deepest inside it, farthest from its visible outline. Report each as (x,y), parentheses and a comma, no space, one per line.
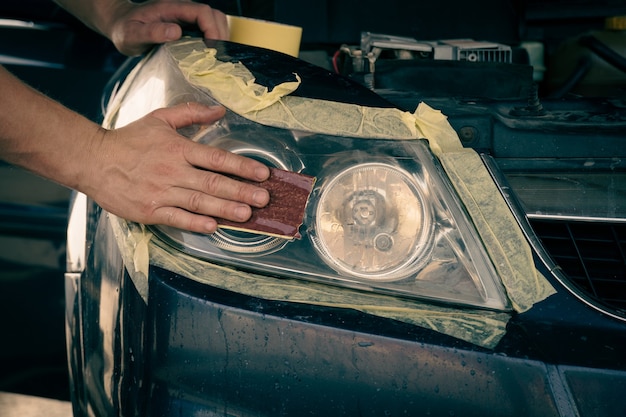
(283,216)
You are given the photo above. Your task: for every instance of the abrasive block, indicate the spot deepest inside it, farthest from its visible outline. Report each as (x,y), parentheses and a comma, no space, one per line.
(283,215)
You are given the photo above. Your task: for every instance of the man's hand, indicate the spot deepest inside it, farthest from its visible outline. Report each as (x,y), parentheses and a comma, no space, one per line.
(135,27)
(146,172)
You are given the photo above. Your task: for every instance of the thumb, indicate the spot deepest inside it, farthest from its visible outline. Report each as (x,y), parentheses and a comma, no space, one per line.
(135,37)
(160,32)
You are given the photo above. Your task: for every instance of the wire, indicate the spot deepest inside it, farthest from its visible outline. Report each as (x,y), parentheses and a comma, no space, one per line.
(604,51)
(583,67)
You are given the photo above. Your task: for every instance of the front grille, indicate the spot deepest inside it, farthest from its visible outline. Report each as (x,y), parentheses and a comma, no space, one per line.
(592,255)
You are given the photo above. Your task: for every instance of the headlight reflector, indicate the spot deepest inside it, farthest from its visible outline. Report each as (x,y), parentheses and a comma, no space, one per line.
(371,222)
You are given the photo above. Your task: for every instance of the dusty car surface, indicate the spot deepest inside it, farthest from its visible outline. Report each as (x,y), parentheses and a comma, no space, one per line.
(462,251)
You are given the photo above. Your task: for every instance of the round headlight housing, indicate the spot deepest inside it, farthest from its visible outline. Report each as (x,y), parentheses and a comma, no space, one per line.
(372,223)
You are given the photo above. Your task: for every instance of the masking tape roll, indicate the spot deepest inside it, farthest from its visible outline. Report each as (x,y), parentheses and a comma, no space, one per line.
(270,35)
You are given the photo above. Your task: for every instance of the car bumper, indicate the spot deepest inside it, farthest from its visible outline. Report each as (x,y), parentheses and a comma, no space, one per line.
(197,350)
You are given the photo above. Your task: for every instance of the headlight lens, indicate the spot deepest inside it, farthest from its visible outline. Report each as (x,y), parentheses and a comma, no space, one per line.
(371,222)
(382,216)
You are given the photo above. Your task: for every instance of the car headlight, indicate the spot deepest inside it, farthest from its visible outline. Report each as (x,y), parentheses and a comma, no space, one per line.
(382,215)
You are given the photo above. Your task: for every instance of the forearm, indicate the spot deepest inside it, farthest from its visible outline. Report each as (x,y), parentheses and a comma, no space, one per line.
(41,135)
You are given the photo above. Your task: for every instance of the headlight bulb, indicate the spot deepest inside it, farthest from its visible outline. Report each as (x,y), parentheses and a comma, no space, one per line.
(371,223)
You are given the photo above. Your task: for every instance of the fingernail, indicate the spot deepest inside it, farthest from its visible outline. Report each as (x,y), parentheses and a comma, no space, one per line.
(242,213)
(210,226)
(261,172)
(170,33)
(261,197)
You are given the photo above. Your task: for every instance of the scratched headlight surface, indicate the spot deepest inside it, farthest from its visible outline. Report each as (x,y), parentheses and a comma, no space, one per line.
(382,216)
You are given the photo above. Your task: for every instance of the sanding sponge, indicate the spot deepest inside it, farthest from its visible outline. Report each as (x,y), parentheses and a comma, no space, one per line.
(283,215)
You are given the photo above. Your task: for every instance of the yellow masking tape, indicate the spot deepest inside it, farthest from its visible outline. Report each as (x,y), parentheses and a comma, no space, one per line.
(270,35)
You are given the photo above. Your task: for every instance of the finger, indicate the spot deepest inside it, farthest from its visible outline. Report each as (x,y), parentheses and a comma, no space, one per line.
(182,219)
(221,23)
(220,160)
(146,34)
(211,22)
(202,203)
(135,36)
(200,183)
(160,32)
(199,211)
